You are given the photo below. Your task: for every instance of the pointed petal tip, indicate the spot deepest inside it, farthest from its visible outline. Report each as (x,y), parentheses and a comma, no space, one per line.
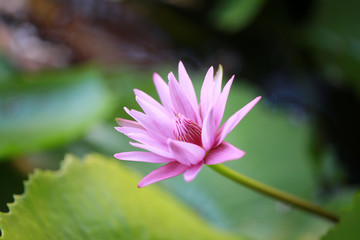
(188,179)
(171,74)
(127,110)
(172,79)
(116,155)
(210,74)
(192,172)
(156,78)
(223,153)
(166,171)
(138,92)
(131,156)
(119,156)
(143,184)
(256,100)
(219,72)
(242,154)
(230,82)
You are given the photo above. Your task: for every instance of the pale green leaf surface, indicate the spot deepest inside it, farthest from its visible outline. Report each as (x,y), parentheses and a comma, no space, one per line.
(348,227)
(98,199)
(48,109)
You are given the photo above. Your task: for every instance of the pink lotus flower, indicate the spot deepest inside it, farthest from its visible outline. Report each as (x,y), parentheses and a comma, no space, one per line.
(179,132)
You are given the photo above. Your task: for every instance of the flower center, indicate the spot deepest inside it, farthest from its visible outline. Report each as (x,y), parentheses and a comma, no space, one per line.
(187,130)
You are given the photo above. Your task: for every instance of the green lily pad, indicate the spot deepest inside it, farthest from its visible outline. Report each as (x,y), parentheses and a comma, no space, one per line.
(47,109)
(98,199)
(348,227)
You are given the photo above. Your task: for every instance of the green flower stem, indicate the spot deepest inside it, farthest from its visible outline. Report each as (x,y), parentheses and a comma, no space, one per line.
(273,192)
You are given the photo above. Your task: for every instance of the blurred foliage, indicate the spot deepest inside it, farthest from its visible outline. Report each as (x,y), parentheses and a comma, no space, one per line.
(7,70)
(334,37)
(234,15)
(44,110)
(96,199)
